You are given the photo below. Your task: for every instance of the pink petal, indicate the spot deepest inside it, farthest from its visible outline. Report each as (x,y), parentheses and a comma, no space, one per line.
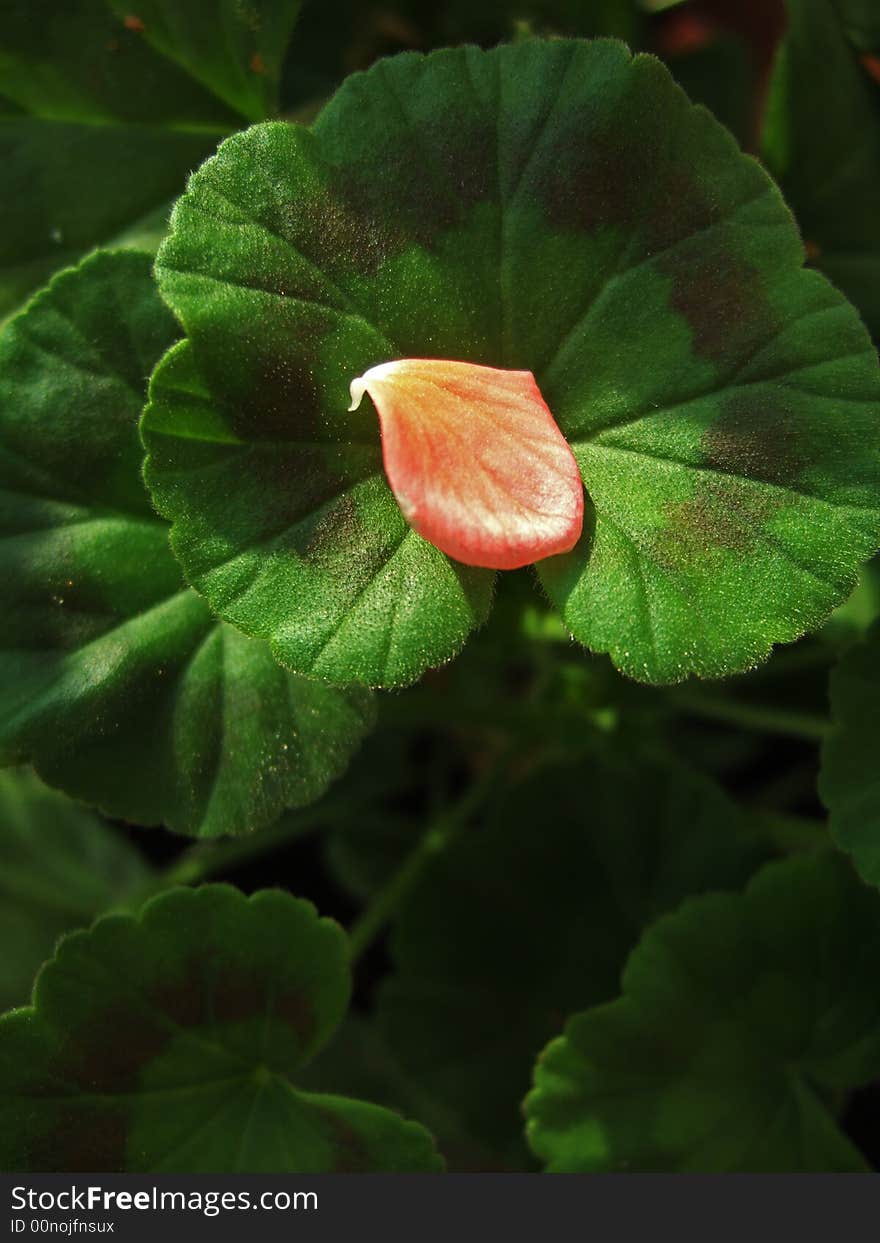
(475,460)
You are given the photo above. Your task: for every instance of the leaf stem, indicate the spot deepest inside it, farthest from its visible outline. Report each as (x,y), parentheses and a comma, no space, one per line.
(212,858)
(438,837)
(792,833)
(809,726)
(205,860)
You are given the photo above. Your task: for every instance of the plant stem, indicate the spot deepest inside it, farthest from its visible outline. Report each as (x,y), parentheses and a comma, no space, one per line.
(812,728)
(792,833)
(439,836)
(207,858)
(203,861)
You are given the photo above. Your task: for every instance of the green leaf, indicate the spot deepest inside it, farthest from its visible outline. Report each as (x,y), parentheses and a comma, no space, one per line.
(357,1062)
(532,916)
(822,142)
(60,866)
(849,782)
(553,206)
(170,1043)
(106,117)
(325,568)
(75,60)
(234,49)
(71,186)
(116,680)
(743,1023)
(854,618)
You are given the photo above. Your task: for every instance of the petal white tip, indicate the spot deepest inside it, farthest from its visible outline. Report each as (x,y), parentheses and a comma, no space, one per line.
(357,388)
(361,385)
(476,460)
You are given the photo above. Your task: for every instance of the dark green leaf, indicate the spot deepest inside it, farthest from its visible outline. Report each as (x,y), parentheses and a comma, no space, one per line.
(861,21)
(822,142)
(744,1021)
(70,186)
(60,866)
(169,1043)
(314,554)
(720,76)
(489,22)
(852,619)
(554,206)
(849,781)
(357,1062)
(109,111)
(233,47)
(115,679)
(532,915)
(75,60)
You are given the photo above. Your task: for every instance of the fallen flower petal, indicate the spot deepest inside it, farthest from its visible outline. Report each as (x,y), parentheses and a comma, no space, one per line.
(476,460)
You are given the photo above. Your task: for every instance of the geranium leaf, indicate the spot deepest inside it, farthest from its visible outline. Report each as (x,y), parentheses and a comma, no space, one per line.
(170,1043)
(109,112)
(532,916)
(848,780)
(60,866)
(742,1018)
(554,207)
(115,679)
(822,142)
(334,577)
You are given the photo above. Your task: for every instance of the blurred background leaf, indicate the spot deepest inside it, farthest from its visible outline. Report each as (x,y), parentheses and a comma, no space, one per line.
(60,867)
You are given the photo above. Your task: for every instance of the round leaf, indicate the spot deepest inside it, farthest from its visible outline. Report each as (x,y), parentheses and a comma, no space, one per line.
(115,679)
(742,1018)
(556,207)
(167,1043)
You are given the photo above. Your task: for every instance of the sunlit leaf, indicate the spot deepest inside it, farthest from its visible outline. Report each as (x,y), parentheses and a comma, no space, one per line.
(555,207)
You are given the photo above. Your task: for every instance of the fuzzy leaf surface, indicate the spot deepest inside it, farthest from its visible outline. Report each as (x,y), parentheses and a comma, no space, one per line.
(556,207)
